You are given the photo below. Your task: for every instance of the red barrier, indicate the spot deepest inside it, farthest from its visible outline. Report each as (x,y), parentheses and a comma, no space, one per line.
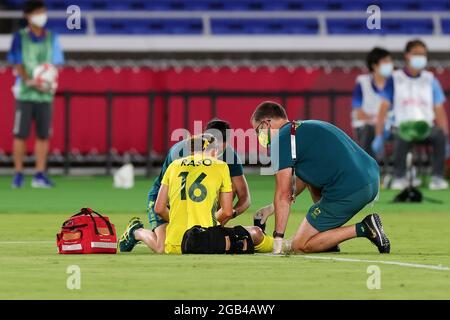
(88,115)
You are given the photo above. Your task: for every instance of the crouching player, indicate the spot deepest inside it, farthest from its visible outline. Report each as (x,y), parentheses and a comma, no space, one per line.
(157,233)
(192,188)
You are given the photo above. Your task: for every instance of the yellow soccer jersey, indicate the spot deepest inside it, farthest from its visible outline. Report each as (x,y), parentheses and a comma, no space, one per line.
(194,185)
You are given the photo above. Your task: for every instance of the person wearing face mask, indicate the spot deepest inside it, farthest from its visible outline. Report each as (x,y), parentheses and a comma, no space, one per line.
(417,101)
(341,177)
(367,100)
(32,46)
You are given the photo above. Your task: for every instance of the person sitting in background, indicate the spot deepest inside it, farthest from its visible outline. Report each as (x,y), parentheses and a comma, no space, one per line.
(415,95)
(367,100)
(31,47)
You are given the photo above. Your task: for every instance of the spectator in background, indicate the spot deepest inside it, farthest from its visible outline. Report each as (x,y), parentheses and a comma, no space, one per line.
(415,95)
(367,100)
(31,47)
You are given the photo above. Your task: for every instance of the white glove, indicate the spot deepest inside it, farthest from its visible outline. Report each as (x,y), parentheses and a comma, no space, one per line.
(277,246)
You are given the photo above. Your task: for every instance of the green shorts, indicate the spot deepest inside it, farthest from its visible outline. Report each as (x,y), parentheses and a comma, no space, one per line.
(154,219)
(326,214)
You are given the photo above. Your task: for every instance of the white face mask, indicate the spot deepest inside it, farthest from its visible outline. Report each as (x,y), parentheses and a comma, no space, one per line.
(39,20)
(418,62)
(385,69)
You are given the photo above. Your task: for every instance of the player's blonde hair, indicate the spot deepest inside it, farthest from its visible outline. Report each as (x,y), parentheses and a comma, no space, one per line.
(203,142)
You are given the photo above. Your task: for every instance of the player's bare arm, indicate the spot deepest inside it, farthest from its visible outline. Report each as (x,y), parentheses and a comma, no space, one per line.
(226,207)
(241,190)
(161,202)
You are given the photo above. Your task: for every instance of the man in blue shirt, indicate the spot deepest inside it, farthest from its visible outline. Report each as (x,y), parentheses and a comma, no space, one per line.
(414,95)
(31,47)
(341,177)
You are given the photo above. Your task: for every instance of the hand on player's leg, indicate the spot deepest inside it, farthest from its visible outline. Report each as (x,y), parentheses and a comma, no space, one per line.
(260,217)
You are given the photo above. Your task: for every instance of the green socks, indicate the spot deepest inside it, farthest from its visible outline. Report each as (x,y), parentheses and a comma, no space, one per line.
(360,230)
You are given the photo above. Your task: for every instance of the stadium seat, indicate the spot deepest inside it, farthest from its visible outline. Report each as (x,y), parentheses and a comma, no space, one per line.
(59,26)
(148,26)
(388,26)
(245,5)
(411,5)
(446,26)
(264,26)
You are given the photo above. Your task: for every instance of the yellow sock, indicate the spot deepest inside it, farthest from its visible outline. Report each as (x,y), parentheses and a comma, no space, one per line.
(265,246)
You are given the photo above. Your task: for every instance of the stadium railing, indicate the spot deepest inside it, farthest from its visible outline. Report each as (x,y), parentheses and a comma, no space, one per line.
(106,162)
(211,95)
(224,30)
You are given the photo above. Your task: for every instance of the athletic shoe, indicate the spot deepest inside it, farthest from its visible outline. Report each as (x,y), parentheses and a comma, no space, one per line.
(127,240)
(374,232)
(40,180)
(438,183)
(260,217)
(399,183)
(18,180)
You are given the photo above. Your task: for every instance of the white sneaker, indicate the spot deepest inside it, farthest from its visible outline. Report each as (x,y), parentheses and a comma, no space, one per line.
(399,183)
(438,183)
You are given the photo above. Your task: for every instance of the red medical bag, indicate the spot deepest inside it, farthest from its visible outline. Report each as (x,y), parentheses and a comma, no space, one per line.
(87,232)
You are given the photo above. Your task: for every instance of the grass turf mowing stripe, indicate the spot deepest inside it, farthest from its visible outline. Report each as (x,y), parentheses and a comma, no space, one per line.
(25,242)
(396,263)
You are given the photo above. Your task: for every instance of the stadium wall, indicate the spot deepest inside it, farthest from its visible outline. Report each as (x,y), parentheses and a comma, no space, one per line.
(88,115)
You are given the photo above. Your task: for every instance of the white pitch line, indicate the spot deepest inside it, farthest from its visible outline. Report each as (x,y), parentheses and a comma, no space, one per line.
(396,263)
(25,242)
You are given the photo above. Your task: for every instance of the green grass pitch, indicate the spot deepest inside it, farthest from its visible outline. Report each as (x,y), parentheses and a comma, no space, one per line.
(30,268)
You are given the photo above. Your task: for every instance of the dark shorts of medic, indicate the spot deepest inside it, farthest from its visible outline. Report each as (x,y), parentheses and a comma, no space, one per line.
(217,240)
(328,214)
(26,113)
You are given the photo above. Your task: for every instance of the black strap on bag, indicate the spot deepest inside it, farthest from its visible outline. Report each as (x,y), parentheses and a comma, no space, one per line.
(90,212)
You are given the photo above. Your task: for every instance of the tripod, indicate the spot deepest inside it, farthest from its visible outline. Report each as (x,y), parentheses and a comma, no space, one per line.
(411,193)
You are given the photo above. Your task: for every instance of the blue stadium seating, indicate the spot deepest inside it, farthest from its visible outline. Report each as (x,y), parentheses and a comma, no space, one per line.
(245,5)
(59,26)
(148,26)
(264,26)
(388,26)
(249,26)
(446,26)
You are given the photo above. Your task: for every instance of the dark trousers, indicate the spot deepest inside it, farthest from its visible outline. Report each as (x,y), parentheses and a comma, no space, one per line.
(436,139)
(365,136)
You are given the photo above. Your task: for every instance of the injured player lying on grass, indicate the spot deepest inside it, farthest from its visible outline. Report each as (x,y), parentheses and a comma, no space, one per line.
(190,191)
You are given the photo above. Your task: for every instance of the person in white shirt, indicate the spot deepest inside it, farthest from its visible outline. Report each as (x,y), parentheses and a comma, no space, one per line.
(367,96)
(414,94)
